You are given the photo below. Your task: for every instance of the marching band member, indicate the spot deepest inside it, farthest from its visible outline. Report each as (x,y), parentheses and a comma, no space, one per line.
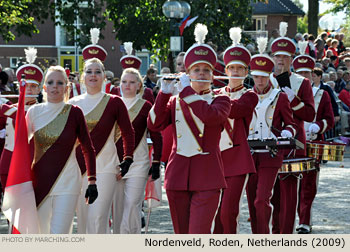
(129,194)
(323,121)
(132,61)
(235,151)
(106,115)
(272,119)
(302,103)
(55,127)
(33,76)
(194,176)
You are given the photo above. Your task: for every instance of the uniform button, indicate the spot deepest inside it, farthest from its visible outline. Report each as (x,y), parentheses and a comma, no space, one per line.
(177,109)
(251,129)
(199,149)
(178,98)
(6,135)
(200,135)
(270,117)
(177,150)
(230,130)
(273,107)
(230,143)
(179,136)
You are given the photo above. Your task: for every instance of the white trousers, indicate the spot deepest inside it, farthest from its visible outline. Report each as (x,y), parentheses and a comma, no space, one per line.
(93,218)
(56,214)
(127,205)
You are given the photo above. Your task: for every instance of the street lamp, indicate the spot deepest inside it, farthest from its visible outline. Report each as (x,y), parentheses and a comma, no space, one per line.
(176,10)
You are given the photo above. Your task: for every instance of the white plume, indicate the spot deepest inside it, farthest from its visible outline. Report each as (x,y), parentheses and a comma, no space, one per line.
(30,54)
(95,33)
(283,28)
(200,32)
(235,35)
(262,43)
(302,46)
(128,47)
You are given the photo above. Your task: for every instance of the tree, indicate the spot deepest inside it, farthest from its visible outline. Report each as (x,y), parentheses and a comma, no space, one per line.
(16,16)
(20,16)
(143,23)
(339,5)
(313,17)
(302,24)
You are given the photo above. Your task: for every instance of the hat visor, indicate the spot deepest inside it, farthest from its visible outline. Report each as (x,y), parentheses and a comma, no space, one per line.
(201,61)
(236,62)
(33,81)
(282,53)
(303,69)
(259,73)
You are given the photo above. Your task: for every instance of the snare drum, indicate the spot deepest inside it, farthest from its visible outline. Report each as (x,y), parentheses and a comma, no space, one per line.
(325,150)
(297,165)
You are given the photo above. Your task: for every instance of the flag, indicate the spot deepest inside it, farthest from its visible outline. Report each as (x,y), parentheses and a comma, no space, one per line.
(186,22)
(189,22)
(183,23)
(153,190)
(19,205)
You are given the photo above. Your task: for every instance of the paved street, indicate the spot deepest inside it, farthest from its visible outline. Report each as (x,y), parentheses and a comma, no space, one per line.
(331,211)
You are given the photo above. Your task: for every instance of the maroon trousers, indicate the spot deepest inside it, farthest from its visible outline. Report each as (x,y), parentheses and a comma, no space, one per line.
(226,221)
(259,193)
(307,194)
(193,212)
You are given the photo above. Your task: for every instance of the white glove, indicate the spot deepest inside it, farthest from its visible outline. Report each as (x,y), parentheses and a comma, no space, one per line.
(286,133)
(167,87)
(184,82)
(289,92)
(3,133)
(314,128)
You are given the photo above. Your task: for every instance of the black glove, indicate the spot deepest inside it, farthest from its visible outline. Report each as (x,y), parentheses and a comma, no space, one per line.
(91,193)
(155,170)
(124,166)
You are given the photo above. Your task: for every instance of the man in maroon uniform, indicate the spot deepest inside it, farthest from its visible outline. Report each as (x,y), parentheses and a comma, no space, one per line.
(235,151)
(33,77)
(272,119)
(301,100)
(323,121)
(194,176)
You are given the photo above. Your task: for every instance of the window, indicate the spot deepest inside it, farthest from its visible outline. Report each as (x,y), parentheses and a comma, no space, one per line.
(259,23)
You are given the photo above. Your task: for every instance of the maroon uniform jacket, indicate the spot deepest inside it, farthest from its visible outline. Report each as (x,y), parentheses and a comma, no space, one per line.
(238,159)
(324,114)
(202,171)
(9,111)
(74,90)
(282,120)
(302,105)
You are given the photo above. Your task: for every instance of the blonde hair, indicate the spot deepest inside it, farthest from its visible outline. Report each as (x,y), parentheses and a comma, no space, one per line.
(65,77)
(137,74)
(91,61)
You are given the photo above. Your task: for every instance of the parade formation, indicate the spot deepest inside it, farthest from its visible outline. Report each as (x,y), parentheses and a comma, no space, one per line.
(95,146)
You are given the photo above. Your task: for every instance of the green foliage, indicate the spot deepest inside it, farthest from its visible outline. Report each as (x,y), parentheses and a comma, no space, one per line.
(302,24)
(139,21)
(143,22)
(339,5)
(15,16)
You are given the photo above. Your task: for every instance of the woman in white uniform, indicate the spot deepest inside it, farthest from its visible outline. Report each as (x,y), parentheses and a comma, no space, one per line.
(55,126)
(107,118)
(130,190)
